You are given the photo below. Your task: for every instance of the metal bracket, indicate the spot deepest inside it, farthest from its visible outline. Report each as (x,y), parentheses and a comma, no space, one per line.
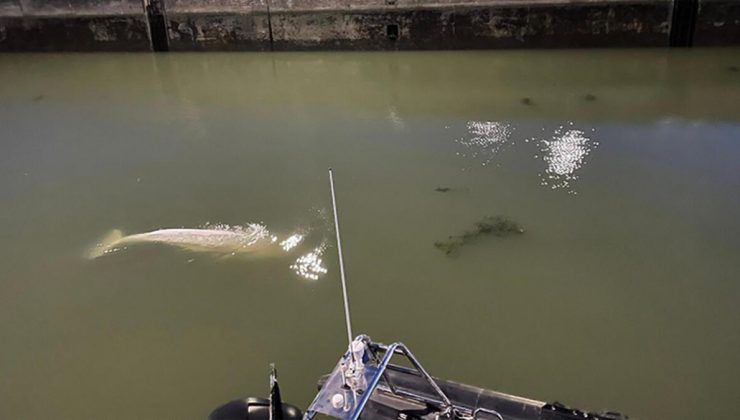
(345,399)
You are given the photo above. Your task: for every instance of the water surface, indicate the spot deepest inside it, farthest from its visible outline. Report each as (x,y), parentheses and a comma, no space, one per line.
(621,165)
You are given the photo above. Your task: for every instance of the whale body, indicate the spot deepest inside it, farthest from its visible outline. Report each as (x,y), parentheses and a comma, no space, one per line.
(253,238)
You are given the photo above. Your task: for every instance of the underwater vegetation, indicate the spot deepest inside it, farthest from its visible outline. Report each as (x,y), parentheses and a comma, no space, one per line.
(499,226)
(451,189)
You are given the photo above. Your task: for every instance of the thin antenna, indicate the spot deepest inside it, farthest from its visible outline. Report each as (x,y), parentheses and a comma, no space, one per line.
(341,258)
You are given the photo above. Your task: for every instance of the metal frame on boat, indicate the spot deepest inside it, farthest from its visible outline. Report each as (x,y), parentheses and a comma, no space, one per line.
(366,385)
(348,389)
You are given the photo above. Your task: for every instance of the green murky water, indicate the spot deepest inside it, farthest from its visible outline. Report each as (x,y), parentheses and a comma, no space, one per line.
(622,166)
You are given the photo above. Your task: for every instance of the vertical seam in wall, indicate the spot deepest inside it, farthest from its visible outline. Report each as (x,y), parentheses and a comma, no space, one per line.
(269,25)
(683,22)
(671,11)
(156,21)
(148,24)
(166,24)
(696,5)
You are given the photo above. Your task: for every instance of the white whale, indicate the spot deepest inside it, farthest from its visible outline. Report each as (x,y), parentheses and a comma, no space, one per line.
(253,238)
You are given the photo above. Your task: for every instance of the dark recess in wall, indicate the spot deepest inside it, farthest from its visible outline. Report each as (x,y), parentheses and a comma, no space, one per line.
(392,31)
(157,25)
(683,22)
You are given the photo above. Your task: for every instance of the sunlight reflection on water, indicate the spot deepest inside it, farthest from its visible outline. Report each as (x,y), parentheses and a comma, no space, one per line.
(484,139)
(565,153)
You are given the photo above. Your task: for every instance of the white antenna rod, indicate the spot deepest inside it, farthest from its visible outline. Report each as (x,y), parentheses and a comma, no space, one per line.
(341,259)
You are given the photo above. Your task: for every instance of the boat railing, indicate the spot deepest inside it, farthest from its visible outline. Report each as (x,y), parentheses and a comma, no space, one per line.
(363,369)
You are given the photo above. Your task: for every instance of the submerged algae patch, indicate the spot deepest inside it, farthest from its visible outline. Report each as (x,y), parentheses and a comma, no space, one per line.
(451,189)
(499,226)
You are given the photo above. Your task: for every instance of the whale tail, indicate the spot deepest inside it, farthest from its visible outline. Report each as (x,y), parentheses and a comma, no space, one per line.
(105,244)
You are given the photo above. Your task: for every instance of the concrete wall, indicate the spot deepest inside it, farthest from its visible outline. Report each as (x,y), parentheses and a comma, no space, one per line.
(73,25)
(196,25)
(717,23)
(470,24)
(208,25)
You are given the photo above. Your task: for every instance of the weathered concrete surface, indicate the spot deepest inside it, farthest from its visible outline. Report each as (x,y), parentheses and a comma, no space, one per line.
(717,23)
(440,24)
(208,25)
(194,25)
(73,25)
(10,8)
(79,8)
(108,33)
